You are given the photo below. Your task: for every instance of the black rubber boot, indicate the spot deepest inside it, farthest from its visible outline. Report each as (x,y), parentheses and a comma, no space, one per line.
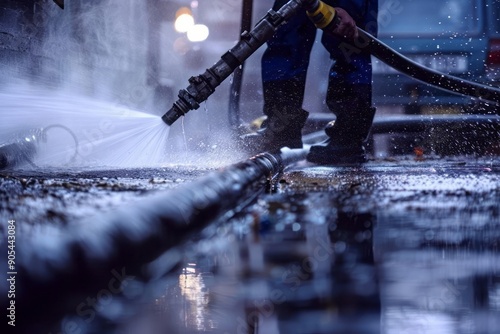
(285,118)
(348,133)
(277,131)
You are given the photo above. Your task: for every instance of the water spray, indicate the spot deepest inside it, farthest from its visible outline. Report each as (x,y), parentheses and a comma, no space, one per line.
(323,16)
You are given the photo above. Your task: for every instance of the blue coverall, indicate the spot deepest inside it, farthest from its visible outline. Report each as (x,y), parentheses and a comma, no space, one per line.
(286,59)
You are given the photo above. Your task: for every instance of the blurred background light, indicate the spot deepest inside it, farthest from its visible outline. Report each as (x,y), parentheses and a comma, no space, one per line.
(184,22)
(198,33)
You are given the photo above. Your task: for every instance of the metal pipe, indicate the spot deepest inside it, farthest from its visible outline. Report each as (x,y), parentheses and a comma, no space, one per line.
(420,123)
(483,130)
(76,262)
(412,123)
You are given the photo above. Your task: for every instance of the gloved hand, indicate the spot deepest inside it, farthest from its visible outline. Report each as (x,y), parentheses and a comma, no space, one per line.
(345,26)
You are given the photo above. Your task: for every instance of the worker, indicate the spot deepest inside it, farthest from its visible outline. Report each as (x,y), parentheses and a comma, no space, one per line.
(349,94)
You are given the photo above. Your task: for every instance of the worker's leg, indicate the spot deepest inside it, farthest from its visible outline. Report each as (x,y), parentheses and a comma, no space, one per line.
(349,95)
(352,104)
(284,70)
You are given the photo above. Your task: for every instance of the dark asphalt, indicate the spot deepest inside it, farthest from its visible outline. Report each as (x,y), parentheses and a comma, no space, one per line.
(394,246)
(55,196)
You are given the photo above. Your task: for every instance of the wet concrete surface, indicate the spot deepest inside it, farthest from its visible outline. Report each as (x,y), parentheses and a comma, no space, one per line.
(394,246)
(61,196)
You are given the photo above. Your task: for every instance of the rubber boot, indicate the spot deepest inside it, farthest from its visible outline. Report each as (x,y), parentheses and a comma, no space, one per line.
(285,118)
(349,132)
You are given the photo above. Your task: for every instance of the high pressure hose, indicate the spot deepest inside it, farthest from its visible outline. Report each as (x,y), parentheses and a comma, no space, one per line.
(78,261)
(324,17)
(203,85)
(368,43)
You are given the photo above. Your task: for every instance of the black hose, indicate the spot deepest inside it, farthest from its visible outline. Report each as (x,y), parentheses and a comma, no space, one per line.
(202,86)
(80,261)
(368,43)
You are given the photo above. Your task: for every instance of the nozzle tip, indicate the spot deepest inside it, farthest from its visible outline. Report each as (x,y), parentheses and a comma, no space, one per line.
(170,116)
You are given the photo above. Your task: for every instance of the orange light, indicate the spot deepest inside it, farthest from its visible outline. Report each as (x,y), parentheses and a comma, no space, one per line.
(183,10)
(419,152)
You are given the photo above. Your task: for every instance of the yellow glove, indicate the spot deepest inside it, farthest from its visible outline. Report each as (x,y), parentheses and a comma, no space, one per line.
(333,20)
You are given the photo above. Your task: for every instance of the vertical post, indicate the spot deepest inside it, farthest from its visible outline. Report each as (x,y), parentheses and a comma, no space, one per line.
(235,89)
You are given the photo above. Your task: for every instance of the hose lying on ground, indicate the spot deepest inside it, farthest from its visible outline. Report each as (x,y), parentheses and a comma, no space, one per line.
(60,268)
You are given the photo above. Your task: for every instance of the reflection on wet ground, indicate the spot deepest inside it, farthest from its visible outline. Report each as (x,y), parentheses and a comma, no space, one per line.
(385,248)
(379,249)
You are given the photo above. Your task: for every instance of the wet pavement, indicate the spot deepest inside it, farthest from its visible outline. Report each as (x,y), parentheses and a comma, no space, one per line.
(62,196)
(394,246)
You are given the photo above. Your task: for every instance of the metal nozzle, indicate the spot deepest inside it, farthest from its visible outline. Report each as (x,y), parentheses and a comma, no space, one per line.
(181,107)
(171,116)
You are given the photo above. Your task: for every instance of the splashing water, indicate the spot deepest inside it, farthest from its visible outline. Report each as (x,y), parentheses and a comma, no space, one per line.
(89,58)
(81,131)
